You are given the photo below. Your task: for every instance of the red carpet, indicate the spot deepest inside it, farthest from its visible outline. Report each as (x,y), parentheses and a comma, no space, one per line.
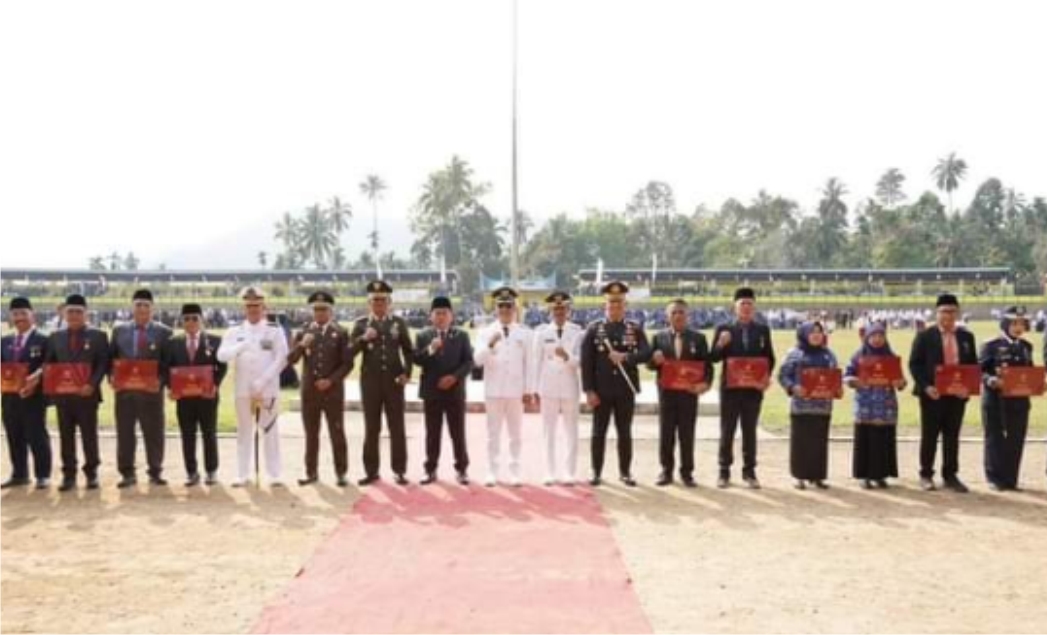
(443,558)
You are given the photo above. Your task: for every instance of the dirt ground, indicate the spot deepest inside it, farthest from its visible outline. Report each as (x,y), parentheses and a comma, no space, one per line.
(701,560)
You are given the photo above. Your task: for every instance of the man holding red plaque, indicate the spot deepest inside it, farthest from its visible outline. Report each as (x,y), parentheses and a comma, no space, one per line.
(941,415)
(743,339)
(143,339)
(1005,419)
(682,352)
(195,351)
(79,343)
(25,409)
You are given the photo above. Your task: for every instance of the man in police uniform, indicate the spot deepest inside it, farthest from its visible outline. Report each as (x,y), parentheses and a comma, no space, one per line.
(743,337)
(385,342)
(141,339)
(445,356)
(79,343)
(259,351)
(324,347)
(612,349)
(504,350)
(556,356)
(25,412)
(678,409)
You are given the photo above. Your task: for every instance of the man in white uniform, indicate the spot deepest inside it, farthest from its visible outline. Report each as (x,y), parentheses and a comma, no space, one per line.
(259,352)
(503,350)
(557,350)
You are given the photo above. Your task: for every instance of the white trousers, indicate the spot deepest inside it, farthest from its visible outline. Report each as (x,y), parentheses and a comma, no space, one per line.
(560,416)
(507,413)
(270,441)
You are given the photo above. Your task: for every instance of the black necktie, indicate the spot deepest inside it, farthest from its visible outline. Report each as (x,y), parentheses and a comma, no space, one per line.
(505,331)
(559,332)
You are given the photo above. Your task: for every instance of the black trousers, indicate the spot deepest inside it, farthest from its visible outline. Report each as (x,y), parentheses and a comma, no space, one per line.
(436,410)
(383,395)
(944,418)
(139,409)
(331,405)
(621,406)
(201,415)
(677,413)
(78,413)
(25,422)
(1006,422)
(739,405)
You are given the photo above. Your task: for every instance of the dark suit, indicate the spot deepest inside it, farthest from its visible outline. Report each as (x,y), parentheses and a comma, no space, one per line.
(943,416)
(140,408)
(1005,420)
(91,346)
(25,420)
(454,358)
(384,359)
(740,404)
(678,410)
(328,357)
(197,412)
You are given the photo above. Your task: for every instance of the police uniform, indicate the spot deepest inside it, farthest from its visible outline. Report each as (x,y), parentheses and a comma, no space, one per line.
(146,342)
(384,372)
(556,358)
(615,389)
(326,356)
(504,351)
(258,352)
(1005,419)
(25,418)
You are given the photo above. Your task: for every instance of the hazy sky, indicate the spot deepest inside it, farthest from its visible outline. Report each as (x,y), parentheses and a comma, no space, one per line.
(183,130)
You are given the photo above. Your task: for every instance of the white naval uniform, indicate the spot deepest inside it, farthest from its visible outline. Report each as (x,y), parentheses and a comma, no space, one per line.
(259,353)
(558,386)
(507,379)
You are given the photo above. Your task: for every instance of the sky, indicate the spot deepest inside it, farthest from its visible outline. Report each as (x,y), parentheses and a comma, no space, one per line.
(182,131)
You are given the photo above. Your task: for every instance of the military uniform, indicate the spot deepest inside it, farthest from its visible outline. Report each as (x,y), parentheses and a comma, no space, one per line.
(326,356)
(615,389)
(386,359)
(25,419)
(1005,419)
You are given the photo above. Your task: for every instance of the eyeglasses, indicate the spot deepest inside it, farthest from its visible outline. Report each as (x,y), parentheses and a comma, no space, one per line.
(190,318)
(253,306)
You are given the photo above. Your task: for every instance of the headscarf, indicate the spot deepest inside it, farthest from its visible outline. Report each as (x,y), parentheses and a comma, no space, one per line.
(868,348)
(803,336)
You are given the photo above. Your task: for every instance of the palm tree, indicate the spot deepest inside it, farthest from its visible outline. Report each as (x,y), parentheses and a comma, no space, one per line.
(96,263)
(889,187)
(318,238)
(287,230)
(832,216)
(114,261)
(948,174)
(372,187)
(339,215)
(262,259)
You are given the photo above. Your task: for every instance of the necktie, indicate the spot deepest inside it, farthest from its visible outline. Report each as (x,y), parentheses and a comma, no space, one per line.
(19,342)
(678,345)
(559,332)
(745,337)
(74,341)
(949,348)
(141,342)
(192,347)
(505,331)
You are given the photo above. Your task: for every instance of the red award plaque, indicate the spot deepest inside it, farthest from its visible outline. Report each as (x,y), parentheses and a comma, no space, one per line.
(14,376)
(747,372)
(140,375)
(879,371)
(1022,381)
(65,379)
(681,375)
(821,383)
(954,380)
(191,381)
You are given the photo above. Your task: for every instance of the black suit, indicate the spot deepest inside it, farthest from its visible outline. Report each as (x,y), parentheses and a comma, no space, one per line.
(198,412)
(454,358)
(91,346)
(741,404)
(943,416)
(25,420)
(677,410)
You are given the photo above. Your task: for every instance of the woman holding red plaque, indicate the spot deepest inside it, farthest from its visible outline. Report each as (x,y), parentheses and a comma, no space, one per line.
(875,413)
(1005,419)
(809,416)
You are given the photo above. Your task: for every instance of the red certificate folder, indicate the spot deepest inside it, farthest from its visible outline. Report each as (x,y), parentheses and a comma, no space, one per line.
(681,375)
(142,375)
(191,381)
(821,383)
(747,372)
(14,375)
(1022,381)
(880,371)
(954,380)
(65,379)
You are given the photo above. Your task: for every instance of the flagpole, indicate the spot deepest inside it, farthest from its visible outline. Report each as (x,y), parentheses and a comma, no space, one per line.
(514,258)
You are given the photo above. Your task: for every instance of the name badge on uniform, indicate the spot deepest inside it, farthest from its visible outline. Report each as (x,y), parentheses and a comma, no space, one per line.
(34,351)
(267,345)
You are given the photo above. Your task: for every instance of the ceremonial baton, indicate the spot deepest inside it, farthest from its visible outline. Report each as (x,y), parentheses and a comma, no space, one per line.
(628,380)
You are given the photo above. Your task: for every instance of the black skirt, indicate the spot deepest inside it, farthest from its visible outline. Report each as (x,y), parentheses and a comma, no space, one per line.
(875,451)
(809,447)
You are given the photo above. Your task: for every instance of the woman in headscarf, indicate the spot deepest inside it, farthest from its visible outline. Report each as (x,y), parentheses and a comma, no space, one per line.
(875,415)
(809,418)
(1005,419)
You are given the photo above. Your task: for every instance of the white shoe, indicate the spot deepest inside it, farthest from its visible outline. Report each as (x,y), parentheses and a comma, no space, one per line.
(490,481)
(549,481)
(568,481)
(515,481)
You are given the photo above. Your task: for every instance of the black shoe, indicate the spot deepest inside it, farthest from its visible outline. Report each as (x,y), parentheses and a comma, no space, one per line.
(67,485)
(663,480)
(956,485)
(367,480)
(193,480)
(927,484)
(43,483)
(159,481)
(881,483)
(820,484)
(996,487)
(14,482)
(430,477)
(628,480)
(309,480)
(127,481)
(688,481)
(401,479)
(723,482)
(596,481)
(92,482)
(799,484)
(342,481)
(212,479)
(867,484)
(463,478)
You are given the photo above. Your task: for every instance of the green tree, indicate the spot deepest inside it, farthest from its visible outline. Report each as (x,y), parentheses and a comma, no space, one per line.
(948,173)
(373,187)
(889,187)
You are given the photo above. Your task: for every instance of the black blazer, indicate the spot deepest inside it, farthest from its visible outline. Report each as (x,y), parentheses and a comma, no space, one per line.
(455,358)
(927,355)
(34,348)
(176,353)
(94,350)
(759,344)
(695,348)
